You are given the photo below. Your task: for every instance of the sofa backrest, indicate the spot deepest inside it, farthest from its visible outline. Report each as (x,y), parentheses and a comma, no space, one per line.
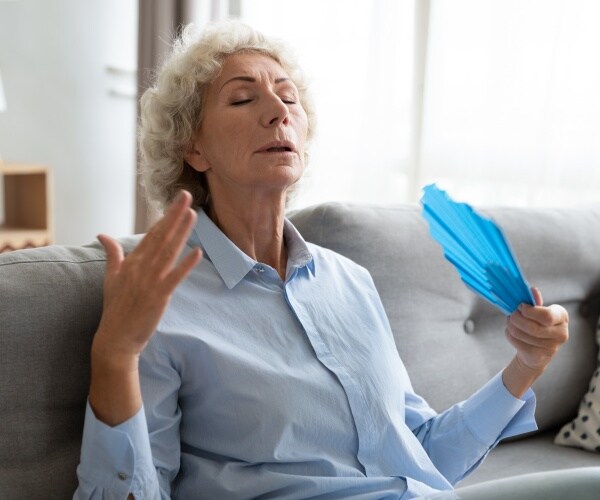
(50,305)
(450,341)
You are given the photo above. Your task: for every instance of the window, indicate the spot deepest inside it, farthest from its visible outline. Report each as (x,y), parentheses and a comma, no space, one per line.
(510,108)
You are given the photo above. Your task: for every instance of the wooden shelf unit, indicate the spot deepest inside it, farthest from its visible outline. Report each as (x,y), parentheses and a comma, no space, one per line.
(27,206)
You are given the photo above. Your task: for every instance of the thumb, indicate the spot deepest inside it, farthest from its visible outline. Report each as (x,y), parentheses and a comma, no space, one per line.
(537,296)
(114,253)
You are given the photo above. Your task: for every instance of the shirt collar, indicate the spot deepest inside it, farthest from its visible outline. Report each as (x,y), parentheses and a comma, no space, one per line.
(298,252)
(230,262)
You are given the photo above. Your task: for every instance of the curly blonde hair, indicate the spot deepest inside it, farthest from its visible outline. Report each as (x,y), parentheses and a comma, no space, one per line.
(171,110)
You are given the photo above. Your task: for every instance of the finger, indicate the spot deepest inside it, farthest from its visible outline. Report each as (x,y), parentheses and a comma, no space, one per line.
(525,343)
(539,326)
(525,330)
(173,247)
(519,321)
(160,232)
(537,296)
(531,350)
(181,203)
(537,300)
(547,316)
(179,273)
(512,332)
(114,253)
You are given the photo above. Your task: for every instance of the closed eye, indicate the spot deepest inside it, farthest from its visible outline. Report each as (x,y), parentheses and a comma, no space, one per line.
(246,101)
(288,97)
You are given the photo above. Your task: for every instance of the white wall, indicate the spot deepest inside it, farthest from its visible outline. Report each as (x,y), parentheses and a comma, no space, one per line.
(61,112)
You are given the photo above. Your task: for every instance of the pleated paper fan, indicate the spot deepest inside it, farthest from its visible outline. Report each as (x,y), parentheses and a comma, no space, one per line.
(477,248)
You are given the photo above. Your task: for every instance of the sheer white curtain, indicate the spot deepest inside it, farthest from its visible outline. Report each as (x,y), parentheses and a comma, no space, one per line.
(512,101)
(511,109)
(358,56)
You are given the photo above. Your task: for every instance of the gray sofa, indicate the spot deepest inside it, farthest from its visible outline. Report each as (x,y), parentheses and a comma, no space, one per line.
(450,340)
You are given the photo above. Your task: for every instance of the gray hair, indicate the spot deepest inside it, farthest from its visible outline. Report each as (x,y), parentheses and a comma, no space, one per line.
(171,110)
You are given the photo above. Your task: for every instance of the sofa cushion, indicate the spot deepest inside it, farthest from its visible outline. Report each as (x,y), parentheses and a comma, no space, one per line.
(584,430)
(51,301)
(450,340)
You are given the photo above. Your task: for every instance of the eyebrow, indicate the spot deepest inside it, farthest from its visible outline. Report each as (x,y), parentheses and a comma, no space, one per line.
(250,79)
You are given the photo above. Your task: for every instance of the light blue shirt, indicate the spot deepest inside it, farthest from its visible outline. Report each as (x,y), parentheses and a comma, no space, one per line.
(258,387)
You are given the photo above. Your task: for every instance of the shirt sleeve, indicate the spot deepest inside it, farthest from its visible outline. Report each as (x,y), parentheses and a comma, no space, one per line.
(116,461)
(458,439)
(141,456)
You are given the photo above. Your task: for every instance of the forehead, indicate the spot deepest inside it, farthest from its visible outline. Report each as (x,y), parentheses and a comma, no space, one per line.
(251,64)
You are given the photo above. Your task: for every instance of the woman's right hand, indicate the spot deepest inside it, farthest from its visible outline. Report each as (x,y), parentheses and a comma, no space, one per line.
(137,290)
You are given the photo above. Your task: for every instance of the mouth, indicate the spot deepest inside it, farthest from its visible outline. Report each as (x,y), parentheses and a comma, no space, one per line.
(278,147)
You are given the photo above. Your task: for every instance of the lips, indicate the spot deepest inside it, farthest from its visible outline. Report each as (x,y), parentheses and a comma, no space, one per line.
(278,147)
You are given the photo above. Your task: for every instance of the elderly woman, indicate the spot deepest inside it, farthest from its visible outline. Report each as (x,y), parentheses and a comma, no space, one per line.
(235,360)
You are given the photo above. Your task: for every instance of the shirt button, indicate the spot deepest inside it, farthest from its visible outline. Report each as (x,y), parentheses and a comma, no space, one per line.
(260,269)
(122,476)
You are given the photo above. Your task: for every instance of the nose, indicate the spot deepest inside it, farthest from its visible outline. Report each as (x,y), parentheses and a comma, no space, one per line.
(275,111)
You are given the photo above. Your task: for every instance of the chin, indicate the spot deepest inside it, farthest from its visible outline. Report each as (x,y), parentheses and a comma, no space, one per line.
(294,172)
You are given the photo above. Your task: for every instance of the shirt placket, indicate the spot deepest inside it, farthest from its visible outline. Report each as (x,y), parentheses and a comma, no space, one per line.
(361,409)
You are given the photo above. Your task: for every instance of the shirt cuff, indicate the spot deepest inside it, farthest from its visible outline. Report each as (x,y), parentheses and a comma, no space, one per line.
(118,459)
(493,413)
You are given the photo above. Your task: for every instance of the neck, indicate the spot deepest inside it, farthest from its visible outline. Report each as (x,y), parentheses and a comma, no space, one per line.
(256,227)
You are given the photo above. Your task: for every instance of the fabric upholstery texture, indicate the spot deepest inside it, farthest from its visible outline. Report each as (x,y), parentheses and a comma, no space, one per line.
(50,304)
(450,340)
(584,430)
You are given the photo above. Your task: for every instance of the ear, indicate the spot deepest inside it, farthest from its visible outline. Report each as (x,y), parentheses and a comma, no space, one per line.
(195,158)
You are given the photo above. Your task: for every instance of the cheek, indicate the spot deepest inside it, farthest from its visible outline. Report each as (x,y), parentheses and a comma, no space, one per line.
(225,140)
(302,127)
(236,135)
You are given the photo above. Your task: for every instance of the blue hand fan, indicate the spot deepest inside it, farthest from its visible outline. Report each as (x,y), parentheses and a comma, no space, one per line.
(478,250)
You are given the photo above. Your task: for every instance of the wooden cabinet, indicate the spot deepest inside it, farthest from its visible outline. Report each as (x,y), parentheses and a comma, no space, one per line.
(26,214)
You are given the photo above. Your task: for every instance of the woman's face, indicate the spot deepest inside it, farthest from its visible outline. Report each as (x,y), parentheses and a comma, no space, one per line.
(253,129)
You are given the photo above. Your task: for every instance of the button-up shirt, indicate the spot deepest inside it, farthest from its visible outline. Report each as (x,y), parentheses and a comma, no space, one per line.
(258,387)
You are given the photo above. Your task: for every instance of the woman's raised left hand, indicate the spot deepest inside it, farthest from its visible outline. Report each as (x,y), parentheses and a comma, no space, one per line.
(537,333)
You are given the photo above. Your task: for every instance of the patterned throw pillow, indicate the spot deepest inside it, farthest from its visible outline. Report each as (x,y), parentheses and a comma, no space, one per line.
(584,430)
